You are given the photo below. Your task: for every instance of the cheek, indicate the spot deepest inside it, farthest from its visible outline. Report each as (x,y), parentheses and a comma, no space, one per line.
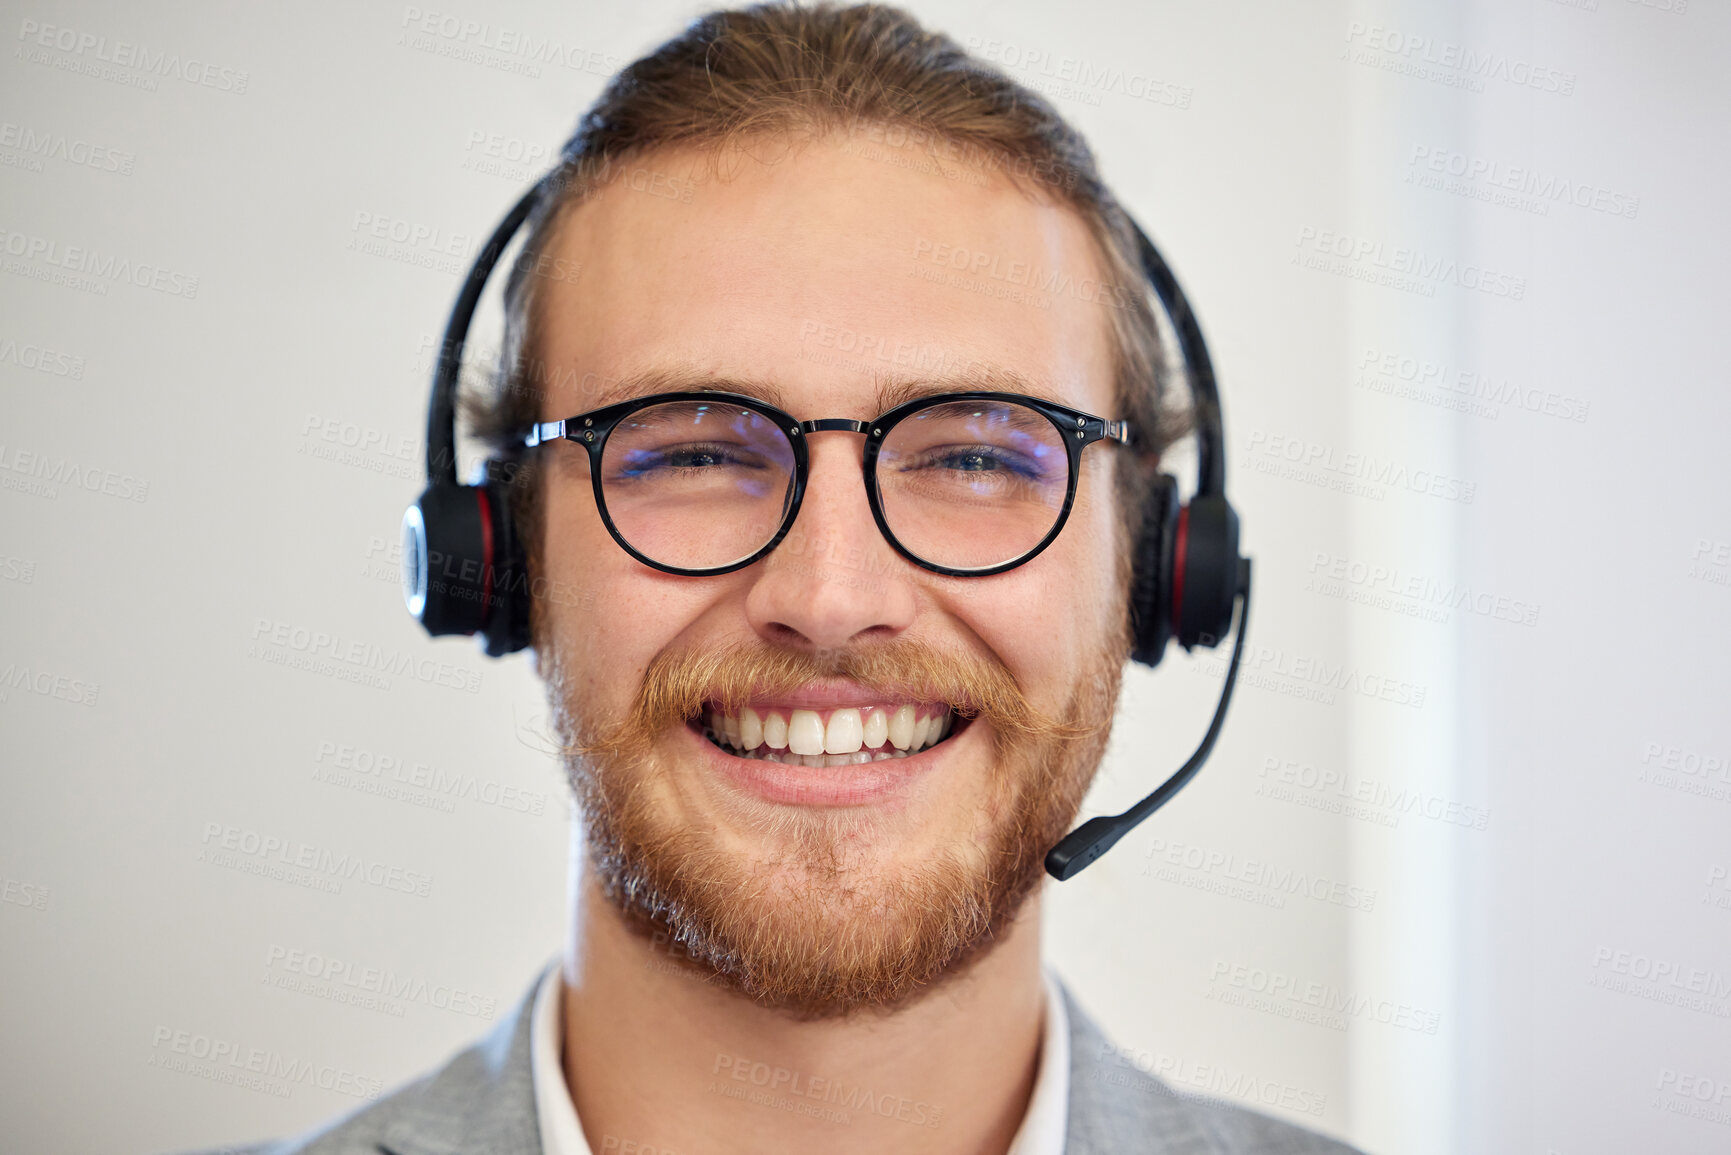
(1092,552)
(1047,619)
(608,612)
(571,537)
(582,587)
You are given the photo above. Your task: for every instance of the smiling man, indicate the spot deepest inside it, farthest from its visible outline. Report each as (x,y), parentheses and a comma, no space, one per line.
(835,397)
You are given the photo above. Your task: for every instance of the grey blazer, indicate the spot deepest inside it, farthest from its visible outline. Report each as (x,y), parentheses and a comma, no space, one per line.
(483,1103)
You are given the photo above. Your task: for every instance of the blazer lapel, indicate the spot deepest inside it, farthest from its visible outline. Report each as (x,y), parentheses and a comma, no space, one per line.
(1115,1108)
(481,1103)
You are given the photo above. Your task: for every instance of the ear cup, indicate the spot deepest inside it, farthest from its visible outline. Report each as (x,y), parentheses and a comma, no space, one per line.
(507,627)
(463,565)
(1205,571)
(1185,579)
(1151,575)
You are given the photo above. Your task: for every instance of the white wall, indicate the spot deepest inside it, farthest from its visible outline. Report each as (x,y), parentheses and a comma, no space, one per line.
(1548,850)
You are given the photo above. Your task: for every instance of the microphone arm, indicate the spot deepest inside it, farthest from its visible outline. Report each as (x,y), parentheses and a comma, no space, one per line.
(1096,836)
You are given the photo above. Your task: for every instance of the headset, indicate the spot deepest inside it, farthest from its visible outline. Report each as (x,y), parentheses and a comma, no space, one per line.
(465,569)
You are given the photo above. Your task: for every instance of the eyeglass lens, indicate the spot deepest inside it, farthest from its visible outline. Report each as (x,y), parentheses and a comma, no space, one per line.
(962,484)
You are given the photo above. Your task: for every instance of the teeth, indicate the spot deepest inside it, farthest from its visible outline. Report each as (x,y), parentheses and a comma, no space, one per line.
(876,730)
(844,732)
(852,736)
(901,728)
(805,732)
(775,731)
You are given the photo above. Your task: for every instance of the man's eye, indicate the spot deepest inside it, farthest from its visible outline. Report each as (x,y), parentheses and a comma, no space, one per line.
(980,460)
(973,462)
(673,460)
(692,458)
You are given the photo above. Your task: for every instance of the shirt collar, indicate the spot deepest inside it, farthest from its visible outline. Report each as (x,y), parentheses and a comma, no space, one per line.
(1041,1133)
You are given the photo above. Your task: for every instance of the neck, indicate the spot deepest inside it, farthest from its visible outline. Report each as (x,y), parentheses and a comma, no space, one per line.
(656,1058)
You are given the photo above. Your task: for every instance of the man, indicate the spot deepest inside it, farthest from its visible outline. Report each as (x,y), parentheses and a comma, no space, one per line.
(818,775)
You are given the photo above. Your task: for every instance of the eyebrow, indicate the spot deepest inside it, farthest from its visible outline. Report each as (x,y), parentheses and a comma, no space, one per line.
(891,390)
(681,379)
(978,378)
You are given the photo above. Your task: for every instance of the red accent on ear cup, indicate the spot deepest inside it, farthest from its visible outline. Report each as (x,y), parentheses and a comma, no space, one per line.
(486,548)
(1180,552)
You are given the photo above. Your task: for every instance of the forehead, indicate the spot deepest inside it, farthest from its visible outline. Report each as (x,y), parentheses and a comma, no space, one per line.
(826,275)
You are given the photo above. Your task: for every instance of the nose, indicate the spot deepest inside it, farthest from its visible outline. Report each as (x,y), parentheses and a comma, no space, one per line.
(834,580)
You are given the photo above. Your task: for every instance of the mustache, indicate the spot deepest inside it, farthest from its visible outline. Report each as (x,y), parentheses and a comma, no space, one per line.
(679,683)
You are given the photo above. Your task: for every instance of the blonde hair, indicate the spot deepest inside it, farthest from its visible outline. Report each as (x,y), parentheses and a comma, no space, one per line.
(788,69)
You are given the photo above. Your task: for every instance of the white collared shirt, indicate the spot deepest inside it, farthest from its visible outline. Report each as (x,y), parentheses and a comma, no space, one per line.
(1041,1132)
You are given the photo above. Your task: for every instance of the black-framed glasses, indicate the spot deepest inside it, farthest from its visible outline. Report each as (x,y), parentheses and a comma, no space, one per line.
(965,484)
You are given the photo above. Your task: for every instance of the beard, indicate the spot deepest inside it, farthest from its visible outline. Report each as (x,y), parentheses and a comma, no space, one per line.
(817,914)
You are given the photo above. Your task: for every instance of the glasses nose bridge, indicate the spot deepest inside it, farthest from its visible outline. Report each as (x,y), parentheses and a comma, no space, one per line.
(832,425)
(835,425)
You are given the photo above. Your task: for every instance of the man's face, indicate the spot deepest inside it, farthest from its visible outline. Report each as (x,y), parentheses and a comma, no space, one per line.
(815,276)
